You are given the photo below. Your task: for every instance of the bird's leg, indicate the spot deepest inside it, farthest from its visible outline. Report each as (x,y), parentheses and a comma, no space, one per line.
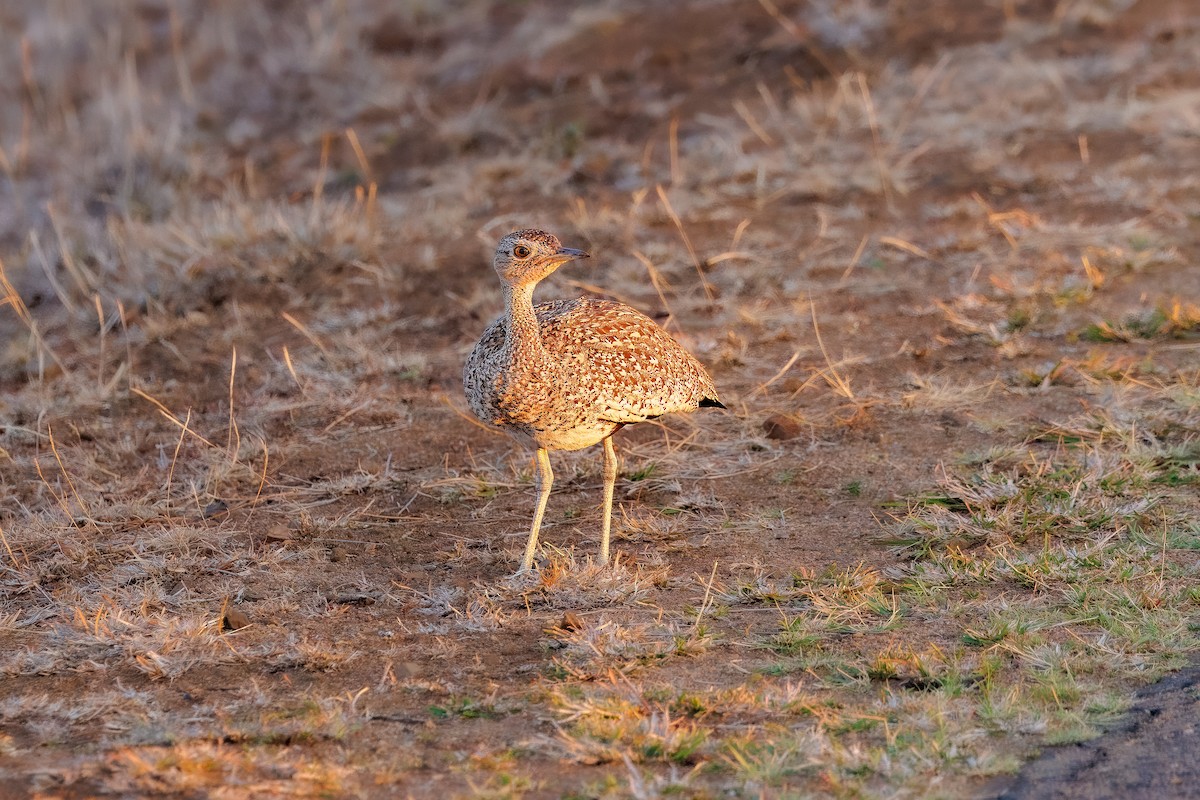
(545,481)
(610,479)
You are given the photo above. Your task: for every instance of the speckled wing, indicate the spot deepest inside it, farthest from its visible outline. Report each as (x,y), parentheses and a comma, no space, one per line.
(630,368)
(482,368)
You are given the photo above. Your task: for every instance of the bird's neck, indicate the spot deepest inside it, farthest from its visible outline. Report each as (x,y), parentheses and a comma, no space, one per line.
(523,337)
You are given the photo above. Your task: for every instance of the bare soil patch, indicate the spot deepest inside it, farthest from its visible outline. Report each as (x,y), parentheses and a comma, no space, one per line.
(1150,753)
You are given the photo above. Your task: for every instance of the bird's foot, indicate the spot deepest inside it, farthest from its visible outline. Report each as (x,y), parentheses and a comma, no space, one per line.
(525,574)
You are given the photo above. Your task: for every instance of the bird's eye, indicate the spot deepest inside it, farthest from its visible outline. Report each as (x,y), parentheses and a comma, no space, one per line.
(521,251)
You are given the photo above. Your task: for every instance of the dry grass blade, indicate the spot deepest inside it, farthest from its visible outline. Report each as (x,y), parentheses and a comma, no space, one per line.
(298,325)
(762,387)
(907,247)
(886,181)
(233,438)
(836,381)
(8,549)
(687,242)
(62,468)
(13,300)
(858,252)
(657,281)
(182,424)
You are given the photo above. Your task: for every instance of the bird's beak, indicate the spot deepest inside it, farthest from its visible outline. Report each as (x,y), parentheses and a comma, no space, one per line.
(565,254)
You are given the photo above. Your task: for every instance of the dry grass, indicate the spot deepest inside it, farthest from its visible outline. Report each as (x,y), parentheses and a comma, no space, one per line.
(251,543)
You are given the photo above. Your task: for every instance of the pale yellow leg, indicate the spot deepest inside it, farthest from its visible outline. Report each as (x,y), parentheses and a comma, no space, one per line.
(545,481)
(610,480)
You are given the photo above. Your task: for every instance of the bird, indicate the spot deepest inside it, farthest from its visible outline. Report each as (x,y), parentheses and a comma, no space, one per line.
(568,374)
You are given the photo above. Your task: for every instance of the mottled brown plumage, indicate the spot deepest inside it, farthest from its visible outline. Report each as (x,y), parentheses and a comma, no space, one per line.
(568,374)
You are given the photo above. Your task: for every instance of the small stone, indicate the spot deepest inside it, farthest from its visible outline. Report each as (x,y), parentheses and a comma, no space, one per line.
(234,620)
(278,533)
(950,420)
(217,509)
(780,426)
(350,599)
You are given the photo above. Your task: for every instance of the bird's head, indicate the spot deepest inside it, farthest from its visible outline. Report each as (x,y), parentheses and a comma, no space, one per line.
(525,257)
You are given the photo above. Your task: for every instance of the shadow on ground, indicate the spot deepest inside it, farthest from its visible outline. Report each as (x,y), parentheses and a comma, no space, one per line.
(1152,753)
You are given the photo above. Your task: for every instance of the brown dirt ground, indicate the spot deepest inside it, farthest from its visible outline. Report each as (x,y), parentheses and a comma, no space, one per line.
(490,127)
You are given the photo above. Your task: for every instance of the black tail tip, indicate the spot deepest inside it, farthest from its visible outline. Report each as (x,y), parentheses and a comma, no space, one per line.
(710,402)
